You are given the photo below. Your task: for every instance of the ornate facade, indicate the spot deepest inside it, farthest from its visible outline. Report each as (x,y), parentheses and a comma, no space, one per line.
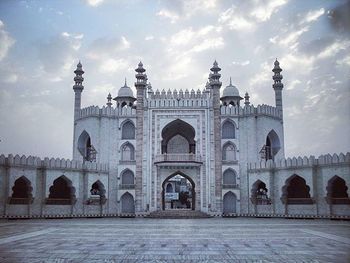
(208,150)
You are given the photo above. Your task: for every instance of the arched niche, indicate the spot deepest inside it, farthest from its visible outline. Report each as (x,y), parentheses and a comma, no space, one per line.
(127,178)
(127,152)
(98,193)
(85,147)
(228,130)
(296,191)
(337,191)
(21,191)
(229,152)
(180,135)
(127,203)
(62,192)
(259,194)
(229,177)
(272,145)
(128,130)
(229,203)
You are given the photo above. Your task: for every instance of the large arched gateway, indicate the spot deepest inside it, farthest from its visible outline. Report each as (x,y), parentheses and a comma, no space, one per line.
(182,194)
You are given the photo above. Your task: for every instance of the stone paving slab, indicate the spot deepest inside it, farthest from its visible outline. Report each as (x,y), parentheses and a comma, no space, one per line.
(153,240)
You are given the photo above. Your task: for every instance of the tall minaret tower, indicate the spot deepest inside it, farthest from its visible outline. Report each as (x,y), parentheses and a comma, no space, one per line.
(140,84)
(278,86)
(78,89)
(215,85)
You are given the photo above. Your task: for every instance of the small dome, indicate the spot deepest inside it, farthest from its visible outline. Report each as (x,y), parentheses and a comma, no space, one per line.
(125,91)
(230,91)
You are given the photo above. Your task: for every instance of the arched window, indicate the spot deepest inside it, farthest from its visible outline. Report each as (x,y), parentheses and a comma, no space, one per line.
(229,178)
(128,152)
(337,191)
(127,178)
(228,130)
(98,193)
(229,203)
(272,145)
(296,191)
(178,144)
(61,192)
(98,189)
(127,203)
(229,152)
(128,131)
(85,147)
(21,191)
(259,194)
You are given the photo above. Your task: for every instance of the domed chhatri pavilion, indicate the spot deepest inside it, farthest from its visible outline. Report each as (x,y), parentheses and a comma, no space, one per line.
(158,151)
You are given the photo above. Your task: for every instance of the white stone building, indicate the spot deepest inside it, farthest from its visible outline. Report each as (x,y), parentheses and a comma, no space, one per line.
(126,154)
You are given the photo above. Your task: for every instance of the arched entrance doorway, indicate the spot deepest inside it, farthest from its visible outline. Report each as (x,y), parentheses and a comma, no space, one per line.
(182,194)
(229,203)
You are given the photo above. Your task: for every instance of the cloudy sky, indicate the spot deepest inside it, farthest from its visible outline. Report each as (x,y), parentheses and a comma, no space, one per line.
(42,41)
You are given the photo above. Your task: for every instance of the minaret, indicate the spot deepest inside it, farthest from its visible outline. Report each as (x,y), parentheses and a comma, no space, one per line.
(140,84)
(278,86)
(246,99)
(215,85)
(78,89)
(109,100)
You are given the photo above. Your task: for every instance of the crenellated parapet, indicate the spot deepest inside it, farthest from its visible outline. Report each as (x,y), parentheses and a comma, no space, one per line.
(251,110)
(51,163)
(95,111)
(302,162)
(163,99)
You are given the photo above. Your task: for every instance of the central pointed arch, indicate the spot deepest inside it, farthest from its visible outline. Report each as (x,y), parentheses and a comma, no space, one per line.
(193,190)
(178,137)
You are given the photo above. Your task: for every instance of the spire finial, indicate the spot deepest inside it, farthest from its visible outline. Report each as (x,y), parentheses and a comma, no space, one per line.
(230,81)
(125,85)
(246,99)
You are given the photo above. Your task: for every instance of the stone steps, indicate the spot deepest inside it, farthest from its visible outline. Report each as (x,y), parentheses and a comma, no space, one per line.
(178,213)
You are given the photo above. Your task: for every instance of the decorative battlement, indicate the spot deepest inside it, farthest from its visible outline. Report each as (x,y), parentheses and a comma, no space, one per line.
(95,111)
(60,164)
(300,162)
(177,99)
(251,110)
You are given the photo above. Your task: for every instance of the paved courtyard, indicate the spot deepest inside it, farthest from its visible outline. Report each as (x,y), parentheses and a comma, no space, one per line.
(174,240)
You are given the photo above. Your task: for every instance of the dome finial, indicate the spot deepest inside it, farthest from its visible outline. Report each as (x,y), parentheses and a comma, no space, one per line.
(125,85)
(230,81)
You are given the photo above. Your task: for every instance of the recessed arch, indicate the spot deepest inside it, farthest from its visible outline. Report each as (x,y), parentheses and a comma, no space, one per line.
(229,152)
(61,192)
(193,191)
(127,203)
(127,152)
(229,177)
(128,130)
(337,191)
(272,145)
(84,145)
(259,194)
(169,188)
(183,132)
(21,191)
(228,129)
(296,191)
(127,177)
(97,188)
(229,203)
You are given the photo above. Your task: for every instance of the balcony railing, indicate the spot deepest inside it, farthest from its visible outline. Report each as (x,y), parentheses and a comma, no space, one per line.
(174,158)
(230,186)
(127,186)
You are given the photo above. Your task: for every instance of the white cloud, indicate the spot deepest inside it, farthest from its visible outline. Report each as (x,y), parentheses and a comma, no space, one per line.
(6,41)
(150,37)
(110,65)
(292,85)
(264,11)
(291,40)
(234,21)
(164,13)
(244,63)
(312,16)
(94,3)
(334,49)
